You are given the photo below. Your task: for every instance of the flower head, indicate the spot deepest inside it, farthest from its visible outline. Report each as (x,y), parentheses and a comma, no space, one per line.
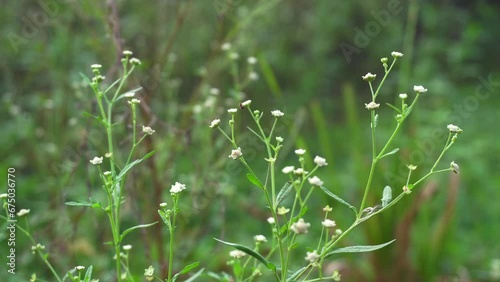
(300,152)
(260,238)
(270,220)
(226,46)
(253,76)
(237,254)
(163,205)
(315,181)
(236,153)
(134,101)
(419,89)
(300,171)
(127,53)
(79,268)
(148,272)
(95,66)
(246,103)
(403,96)
(328,223)
(397,54)
(282,210)
(411,167)
(23,212)
(454,129)
(279,139)
(177,187)
(312,256)
(277,113)
(135,61)
(319,161)
(327,209)
(300,227)
(369,77)
(96,160)
(252,60)
(372,106)
(232,111)
(214,123)
(287,169)
(127,247)
(148,130)
(455,168)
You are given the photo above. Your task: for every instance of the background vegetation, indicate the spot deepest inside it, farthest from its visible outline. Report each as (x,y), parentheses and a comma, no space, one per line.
(447,229)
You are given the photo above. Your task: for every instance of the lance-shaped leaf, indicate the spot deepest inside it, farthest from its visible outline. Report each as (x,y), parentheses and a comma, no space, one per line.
(136,227)
(129,94)
(132,164)
(390,153)
(88,274)
(250,252)
(93,203)
(338,199)
(283,193)
(186,269)
(252,178)
(358,249)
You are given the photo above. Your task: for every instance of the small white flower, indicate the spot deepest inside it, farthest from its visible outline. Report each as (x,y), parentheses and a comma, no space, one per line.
(96,66)
(96,160)
(246,103)
(214,123)
(135,61)
(134,101)
(455,168)
(288,169)
(372,106)
(252,60)
(369,76)
(277,113)
(3,196)
(127,53)
(148,130)
(79,268)
(106,173)
(300,171)
(320,161)
(234,56)
(300,152)
(312,256)
(108,155)
(283,210)
(406,190)
(232,111)
(279,139)
(253,76)
(215,91)
(237,254)
(315,181)
(300,227)
(328,223)
(23,212)
(163,205)
(419,89)
(270,220)
(236,153)
(397,54)
(148,272)
(226,46)
(260,238)
(454,129)
(327,209)
(177,187)
(403,96)
(127,247)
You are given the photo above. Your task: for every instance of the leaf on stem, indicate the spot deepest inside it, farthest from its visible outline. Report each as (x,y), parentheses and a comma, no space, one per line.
(390,153)
(297,274)
(132,164)
(88,274)
(358,249)
(394,108)
(186,269)
(338,199)
(250,252)
(129,94)
(92,204)
(386,196)
(193,278)
(136,227)
(252,178)
(283,193)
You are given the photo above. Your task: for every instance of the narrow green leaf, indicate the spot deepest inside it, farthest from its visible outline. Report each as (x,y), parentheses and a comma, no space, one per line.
(394,108)
(283,193)
(252,178)
(88,274)
(358,249)
(256,134)
(185,270)
(296,274)
(390,153)
(250,252)
(136,227)
(164,217)
(129,94)
(338,199)
(386,196)
(375,120)
(79,204)
(132,164)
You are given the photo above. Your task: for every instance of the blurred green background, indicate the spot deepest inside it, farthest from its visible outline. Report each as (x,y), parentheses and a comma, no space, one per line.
(311,55)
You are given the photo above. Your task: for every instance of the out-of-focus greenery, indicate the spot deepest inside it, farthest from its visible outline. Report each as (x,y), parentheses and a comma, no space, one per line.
(446,229)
